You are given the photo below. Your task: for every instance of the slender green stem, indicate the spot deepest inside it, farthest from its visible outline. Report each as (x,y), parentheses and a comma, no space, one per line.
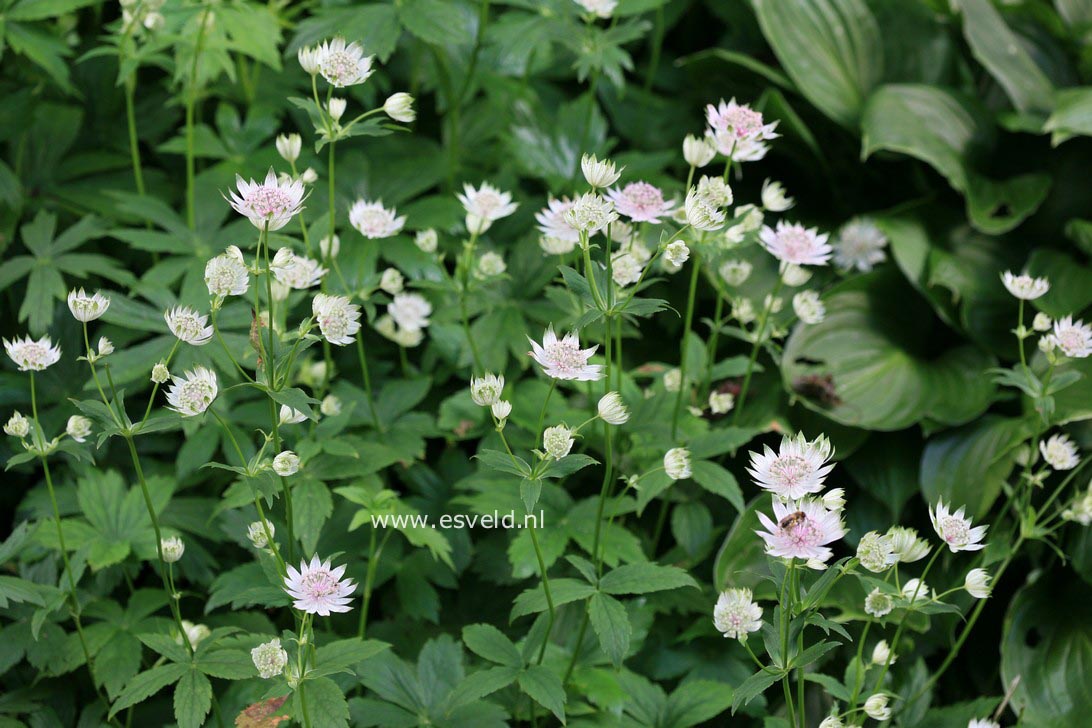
(684,389)
(576,648)
(363,357)
(711,355)
(859,673)
(542,412)
(374,554)
(1020,337)
(787,597)
(155,385)
(741,400)
(191,102)
(134,144)
(902,622)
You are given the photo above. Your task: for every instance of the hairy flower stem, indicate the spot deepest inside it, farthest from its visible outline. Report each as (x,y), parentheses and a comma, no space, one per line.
(684,390)
(759,333)
(71,578)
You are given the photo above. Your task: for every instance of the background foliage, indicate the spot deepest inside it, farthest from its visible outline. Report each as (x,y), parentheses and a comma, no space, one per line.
(961,127)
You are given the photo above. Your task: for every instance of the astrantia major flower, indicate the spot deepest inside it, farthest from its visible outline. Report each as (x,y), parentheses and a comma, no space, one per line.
(259,533)
(907,545)
(698,151)
(774,198)
(426,240)
(599,173)
(1042,322)
(859,244)
(721,402)
(955,530)
(564,359)
(372,220)
(399,106)
(1023,286)
(501,409)
(590,213)
(915,591)
(625,269)
(878,604)
(188,325)
(598,8)
(269,658)
(983,723)
(715,190)
(793,243)
(736,614)
(160,373)
(318,589)
(677,463)
(485,205)
(392,281)
(338,318)
(612,409)
(194,633)
(286,463)
(701,213)
(1060,452)
(794,275)
(410,311)
(288,146)
(640,202)
(1074,338)
(289,416)
(309,61)
(557,441)
(296,271)
(801,529)
(172,549)
(87,307)
(876,553)
(330,405)
(977,583)
(490,265)
(343,64)
(32,356)
(552,223)
(739,131)
(808,307)
(270,204)
(735,272)
(797,469)
(881,654)
(226,274)
(486,390)
(78,428)
(876,707)
(191,395)
(676,254)
(17,425)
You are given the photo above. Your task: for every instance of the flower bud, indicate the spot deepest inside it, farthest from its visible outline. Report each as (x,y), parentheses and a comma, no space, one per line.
(17,426)
(78,428)
(426,240)
(774,198)
(286,463)
(330,406)
(557,441)
(172,548)
(698,151)
(501,409)
(288,146)
(160,373)
(257,533)
(612,409)
(599,173)
(336,107)
(677,463)
(399,107)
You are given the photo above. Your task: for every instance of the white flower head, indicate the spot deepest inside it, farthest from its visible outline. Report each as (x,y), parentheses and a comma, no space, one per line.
(878,604)
(392,281)
(876,553)
(309,61)
(189,326)
(1023,286)
(160,373)
(739,131)
(834,499)
(794,275)
(289,146)
(876,707)
(289,416)
(590,213)
(485,205)
(269,658)
(374,221)
(907,545)
(698,151)
(802,530)
(269,205)
(793,243)
(191,395)
(338,318)
(1042,322)
(78,428)
(598,8)
(672,379)
(564,359)
(32,356)
(881,654)
(259,533)
(797,469)
(343,64)
(735,272)
(677,463)
(859,244)
(676,254)
(17,426)
(715,191)
(336,108)
(172,549)
(426,240)
(399,106)
(915,591)
(406,338)
(774,198)
(598,173)
(286,463)
(1074,338)
(318,589)
(983,723)
(955,530)
(410,311)
(86,307)
(612,409)
(625,269)
(736,615)
(501,409)
(701,213)
(490,265)
(640,202)
(106,347)
(721,402)
(832,721)
(552,222)
(1060,452)
(227,274)
(296,271)
(557,441)
(194,633)
(808,307)
(486,390)
(977,583)
(330,405)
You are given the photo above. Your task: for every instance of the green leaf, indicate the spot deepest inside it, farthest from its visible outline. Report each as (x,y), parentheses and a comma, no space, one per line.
(1072,115)
(562,590)
(433,21)
(483,682)
(297,399)
(487,641)
(312,504)
(192,699)
(1047,644)
(697,701)
(341,655)
(544,686)
(754,686)
(611,624)
(741,560)
(643,578)
(326,705)
(147,684)
(831,49)
(715,479)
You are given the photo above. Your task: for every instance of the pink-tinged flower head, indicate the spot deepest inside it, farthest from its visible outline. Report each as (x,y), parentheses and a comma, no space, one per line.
(372,220)
(338,318)
(860,244)
(552,222)
(802,530)
(485,205)
(955,530)
(736,614)
(564,359)
(269,204)
(318,589)
(1074,338)
(343,64)
(640,202)
(797,469)
(31,355)
(793,243)
(1023,286)
(739,131)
